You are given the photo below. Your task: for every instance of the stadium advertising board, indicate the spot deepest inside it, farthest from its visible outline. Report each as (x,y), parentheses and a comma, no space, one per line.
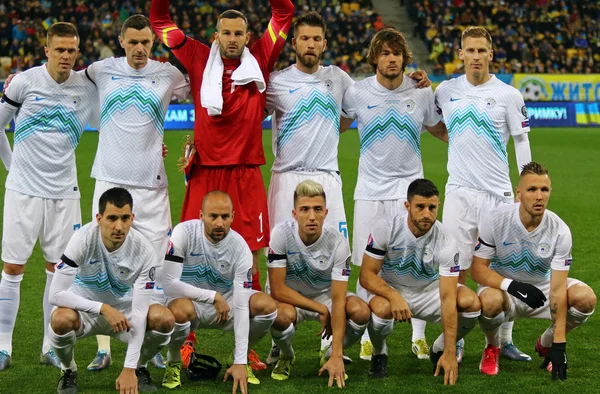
(558,87)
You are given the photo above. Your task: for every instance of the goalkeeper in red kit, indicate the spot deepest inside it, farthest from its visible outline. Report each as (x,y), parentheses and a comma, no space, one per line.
(228,84)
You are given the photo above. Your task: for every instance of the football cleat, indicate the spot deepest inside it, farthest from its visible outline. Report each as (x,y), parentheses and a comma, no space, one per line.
(543,351)
(420,349)
(283,368)
(5,360)
(100,362)
(366,350)
(510,351)
(273,355)
(379,366)
(254,362)
(186,353)
(172,378)
(67,384)
(159,361)
(252,379)
(49,358)
(490,360)
(460,350)
(145,384)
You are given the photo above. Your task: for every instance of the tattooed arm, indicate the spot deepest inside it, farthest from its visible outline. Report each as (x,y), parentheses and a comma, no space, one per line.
(558,304)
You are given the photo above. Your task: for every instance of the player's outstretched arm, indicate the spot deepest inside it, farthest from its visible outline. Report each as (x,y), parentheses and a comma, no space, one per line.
(269,46)
(449,325)
(335,364)
(558,311)
(187,50)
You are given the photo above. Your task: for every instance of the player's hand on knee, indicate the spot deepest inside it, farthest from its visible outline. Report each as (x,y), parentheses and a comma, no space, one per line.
(222,308)
(127,382)
(116,319)
(325,320)
(336,369)
(399,308)
(448,364)
(240,377)
(527,293)
(558,357)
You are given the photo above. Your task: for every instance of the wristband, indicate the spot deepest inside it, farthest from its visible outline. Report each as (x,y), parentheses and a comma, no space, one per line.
(505,283)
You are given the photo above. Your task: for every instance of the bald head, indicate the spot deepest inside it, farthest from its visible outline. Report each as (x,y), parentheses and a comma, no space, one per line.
(217,215)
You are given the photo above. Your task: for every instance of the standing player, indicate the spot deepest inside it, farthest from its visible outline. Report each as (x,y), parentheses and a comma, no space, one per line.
(228,86)
(103,285)
(410,269)
(309,266)
(481,113)
(391,113)
(208,273)
(51,105)
(135,93)
(522,263)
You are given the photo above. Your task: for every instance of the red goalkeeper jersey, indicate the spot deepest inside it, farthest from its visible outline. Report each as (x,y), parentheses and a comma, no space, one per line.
(235,136)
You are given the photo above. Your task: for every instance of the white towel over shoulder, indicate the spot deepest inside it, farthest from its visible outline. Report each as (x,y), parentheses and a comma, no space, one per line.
(211,91)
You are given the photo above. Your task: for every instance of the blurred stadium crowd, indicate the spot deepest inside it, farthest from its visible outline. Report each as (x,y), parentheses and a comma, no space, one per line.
(530,36)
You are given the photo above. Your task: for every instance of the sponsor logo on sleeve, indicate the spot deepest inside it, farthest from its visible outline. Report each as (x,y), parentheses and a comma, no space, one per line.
(568,262)
(370,241)
(170,249)
(346,271)
(456,258)
(478,246)
(149,285)
(524,111)
(455,268)
(525,123)
(60,265)
(152,273)
(248,283)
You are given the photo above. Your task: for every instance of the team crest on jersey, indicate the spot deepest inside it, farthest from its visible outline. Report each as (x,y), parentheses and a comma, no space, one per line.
(329,84)
(223,266)
(544,250)
(322,260)
(427,255)
(124,272)
(410,106)
(76,100)
(155,81)
(490,103)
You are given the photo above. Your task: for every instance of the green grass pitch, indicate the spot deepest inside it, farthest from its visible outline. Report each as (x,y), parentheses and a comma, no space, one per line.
(571,157)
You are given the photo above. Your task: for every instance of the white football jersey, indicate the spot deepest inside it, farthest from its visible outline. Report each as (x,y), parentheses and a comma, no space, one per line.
(309,269)
(389,125)
(48,125)
(109,277)
(133,106)
(409,261)
(220,267)
(306,117)
(480,120)
(521,255)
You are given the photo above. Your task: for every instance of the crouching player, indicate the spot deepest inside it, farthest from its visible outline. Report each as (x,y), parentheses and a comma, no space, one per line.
(103,286)
(309,266)
(522,259)
(410,269)
(208,284)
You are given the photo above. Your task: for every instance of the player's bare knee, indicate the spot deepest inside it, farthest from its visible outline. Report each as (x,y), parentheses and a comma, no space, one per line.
(262,304)
(13,269)
(381,308)
(491,302)
(357,310)
(160,319)
(582,298)
(467,300)
(182,310)
(286,315)
(64,320)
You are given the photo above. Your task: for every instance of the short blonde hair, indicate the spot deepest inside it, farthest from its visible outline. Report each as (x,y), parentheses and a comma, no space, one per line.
(534,168)
(475,32)
(309,188)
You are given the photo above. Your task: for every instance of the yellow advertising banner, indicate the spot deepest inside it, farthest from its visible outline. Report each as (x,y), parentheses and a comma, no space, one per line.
(558,87)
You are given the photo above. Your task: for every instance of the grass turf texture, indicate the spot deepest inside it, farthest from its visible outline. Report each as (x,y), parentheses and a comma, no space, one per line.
(570,157)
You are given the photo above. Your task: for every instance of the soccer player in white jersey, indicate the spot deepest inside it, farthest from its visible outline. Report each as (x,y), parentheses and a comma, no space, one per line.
(481,113)
(103,285)
(51,105)
(391,112)
(135,93)
(521,264)
(208,283)
(410,269)
(309,267)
